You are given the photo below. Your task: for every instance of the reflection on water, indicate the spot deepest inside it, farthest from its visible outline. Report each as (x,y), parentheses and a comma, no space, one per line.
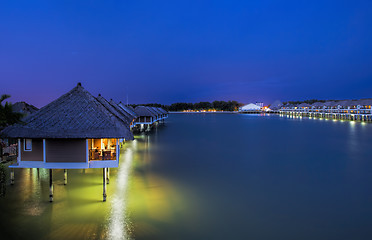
(119,227)
(210,176)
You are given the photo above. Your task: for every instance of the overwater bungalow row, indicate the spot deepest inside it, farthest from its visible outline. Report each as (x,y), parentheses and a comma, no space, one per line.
(356,110)
(144,117)
(147,117)
(76,131)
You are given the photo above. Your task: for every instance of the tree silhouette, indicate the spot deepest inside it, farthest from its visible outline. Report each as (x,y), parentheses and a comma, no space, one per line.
(7,115)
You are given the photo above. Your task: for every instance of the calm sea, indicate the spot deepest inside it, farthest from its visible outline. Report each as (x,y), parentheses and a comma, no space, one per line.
(210,176)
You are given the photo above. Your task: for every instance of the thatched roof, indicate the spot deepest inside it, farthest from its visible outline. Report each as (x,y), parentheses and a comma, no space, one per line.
(111,108)
(143,111)
(365,102)
(76,114)
(128,109)
(24,108)
(329,103)
(303,105)
(152,110)
(318,104)
(155,110)
(129,117)
(276,105)
(162,110)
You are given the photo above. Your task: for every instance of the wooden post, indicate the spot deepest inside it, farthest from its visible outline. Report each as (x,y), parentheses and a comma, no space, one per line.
(50,185)
(65,176)
(108,175)
(104,185)
(12,176)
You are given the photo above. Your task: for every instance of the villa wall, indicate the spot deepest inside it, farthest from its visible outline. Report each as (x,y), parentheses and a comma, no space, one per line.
(65,150)
(37,151)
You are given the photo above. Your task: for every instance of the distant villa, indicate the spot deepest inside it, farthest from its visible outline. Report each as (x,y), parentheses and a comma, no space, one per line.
(343,109)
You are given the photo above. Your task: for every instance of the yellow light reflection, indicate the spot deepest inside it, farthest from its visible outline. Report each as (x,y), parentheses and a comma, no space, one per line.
(118,226)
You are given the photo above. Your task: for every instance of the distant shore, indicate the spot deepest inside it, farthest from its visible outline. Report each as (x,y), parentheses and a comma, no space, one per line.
(206,112)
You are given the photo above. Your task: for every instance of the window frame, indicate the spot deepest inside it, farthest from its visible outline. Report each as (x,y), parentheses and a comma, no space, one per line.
(25,143)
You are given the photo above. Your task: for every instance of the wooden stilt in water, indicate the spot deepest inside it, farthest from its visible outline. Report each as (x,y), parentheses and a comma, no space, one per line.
(104,185)
(65,176)
(108,175)
(50,185)
(12,176)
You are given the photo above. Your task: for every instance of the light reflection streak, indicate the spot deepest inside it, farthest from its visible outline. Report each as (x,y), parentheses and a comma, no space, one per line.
(118,224)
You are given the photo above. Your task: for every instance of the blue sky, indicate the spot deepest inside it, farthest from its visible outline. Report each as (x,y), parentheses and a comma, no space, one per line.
(186,51)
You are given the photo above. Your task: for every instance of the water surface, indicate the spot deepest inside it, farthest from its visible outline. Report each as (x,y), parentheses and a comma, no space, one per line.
(210,176)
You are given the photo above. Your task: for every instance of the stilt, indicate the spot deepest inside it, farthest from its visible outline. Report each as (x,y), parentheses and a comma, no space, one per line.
(108,175)
(104,185)
(65,176)
(12,176)
(50,185)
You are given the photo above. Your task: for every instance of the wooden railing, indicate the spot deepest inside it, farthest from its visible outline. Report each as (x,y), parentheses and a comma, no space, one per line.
(102,154)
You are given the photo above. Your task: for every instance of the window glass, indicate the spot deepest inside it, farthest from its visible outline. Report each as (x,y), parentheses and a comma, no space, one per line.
(28,144)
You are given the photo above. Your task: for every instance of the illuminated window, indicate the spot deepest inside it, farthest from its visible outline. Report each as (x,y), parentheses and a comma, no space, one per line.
(27,144)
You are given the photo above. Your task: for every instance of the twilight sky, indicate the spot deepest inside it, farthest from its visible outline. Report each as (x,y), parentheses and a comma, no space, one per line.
(186,51)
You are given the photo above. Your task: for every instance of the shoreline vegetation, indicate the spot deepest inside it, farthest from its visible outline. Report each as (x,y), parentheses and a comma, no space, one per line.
(215,106)
(202,111)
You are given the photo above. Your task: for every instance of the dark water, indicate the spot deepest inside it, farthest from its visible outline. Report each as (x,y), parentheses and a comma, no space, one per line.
(210,176)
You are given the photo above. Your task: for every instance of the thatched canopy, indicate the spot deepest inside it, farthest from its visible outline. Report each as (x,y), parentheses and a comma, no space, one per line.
(76,114)
(143,111)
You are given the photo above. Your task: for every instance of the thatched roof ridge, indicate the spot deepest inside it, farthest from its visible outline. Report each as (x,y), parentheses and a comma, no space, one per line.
(162,110)
(153,111)
(129,117)
(143,111)
(156,110)
(128,109)
(23,107)
(110,108)
(76,114)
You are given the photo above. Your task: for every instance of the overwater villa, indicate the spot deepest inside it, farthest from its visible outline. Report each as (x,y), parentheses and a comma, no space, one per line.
(156,112)
(164,114)
(346,109)
(145,118)
(76,131)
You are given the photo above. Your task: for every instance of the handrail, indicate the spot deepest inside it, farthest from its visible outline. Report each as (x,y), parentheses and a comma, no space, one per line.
(102,154)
